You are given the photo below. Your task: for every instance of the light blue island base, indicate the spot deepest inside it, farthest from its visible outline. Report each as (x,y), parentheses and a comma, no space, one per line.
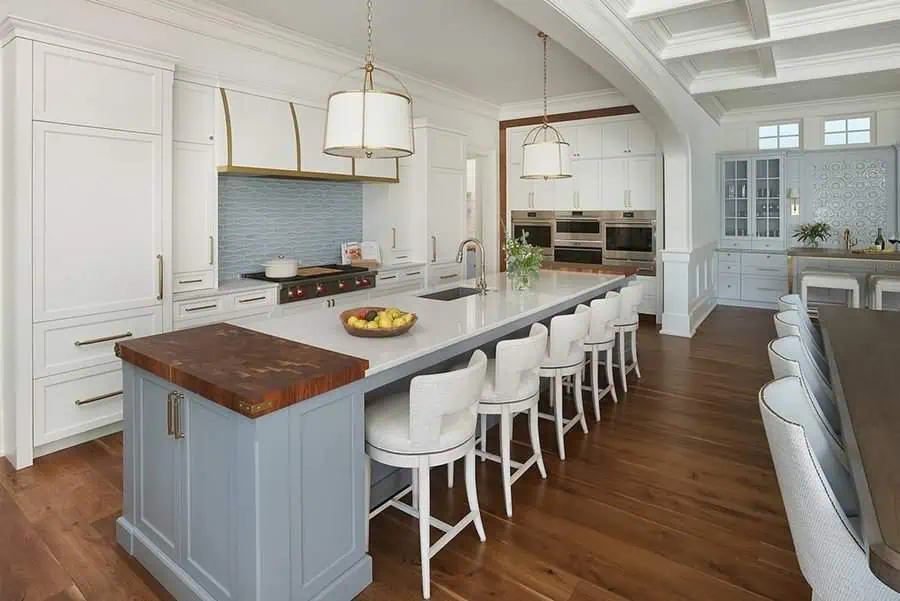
(241,509)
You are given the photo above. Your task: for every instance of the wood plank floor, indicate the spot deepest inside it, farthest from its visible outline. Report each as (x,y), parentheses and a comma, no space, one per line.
(672,497)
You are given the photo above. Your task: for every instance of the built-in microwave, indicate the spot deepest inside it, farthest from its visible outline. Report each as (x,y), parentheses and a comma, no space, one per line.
(577,225)
(539,227)
(630,235)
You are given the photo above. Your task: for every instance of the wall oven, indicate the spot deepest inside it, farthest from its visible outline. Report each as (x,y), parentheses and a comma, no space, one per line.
(539,227)
(578,225)
(578,251)
(630,239)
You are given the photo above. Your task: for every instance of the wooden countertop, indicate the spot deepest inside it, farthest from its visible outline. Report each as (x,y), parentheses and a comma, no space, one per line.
(864,347)
(839,253)
(246,371)
(578,268)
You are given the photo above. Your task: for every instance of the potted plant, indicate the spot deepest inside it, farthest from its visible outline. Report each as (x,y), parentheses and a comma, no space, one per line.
(523,261)
(812,233)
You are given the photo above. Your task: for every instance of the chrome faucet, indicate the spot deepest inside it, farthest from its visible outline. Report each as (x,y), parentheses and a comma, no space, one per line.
(849,242)
(481,283)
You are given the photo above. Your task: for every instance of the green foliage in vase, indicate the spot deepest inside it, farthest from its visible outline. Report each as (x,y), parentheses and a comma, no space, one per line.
(523,258)
(812,233)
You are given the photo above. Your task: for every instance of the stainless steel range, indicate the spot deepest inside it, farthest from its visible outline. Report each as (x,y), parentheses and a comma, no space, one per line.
(319,281)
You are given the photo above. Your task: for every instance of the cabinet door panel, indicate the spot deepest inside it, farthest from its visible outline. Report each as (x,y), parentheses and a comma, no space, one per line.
(446,206)
(82,88)
(209,537)
(545,195)
(641,139)
(518,191)
(614,141)
(586,176)
(97,220)
(194,208)
(446,150)
(642,183)
(590,141)
(384,168)
(194,113)
(515,137)
(614,183)
(312,137)
(262,132)
(158,467)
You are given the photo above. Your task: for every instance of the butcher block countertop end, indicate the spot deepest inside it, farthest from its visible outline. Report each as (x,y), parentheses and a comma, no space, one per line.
(580,268)
(251,373)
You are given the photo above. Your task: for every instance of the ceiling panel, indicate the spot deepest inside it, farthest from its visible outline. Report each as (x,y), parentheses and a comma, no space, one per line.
(726,60)
(841,41)
(718,15)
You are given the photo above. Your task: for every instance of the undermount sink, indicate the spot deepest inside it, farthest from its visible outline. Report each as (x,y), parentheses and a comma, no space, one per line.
(451,294)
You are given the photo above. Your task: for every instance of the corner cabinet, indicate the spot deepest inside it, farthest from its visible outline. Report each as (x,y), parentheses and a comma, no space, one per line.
(752,196)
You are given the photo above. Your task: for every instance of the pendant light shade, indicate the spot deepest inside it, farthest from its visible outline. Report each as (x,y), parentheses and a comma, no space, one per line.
(545,153)
(369,122)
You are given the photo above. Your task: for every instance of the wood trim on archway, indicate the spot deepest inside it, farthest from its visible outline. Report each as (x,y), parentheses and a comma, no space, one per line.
(555,118)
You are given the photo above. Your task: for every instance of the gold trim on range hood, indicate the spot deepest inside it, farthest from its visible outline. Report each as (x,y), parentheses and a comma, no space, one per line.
(232,169)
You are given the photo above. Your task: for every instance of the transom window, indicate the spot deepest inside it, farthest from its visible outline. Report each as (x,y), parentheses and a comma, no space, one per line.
(779,135)
(851,130)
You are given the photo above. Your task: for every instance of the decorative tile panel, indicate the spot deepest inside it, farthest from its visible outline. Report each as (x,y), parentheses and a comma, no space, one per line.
(852,193)
(261,218)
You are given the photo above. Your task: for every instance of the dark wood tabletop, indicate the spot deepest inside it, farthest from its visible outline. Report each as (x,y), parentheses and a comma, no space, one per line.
(863,348)
(248,372)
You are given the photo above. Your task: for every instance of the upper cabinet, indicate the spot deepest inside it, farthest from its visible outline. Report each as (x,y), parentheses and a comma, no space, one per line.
(752,195)
(312,137)
(587,142)
(194,118)
(629,137)
(82,88)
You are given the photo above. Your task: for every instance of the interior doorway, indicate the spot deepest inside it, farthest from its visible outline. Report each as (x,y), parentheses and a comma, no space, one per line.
(480,207)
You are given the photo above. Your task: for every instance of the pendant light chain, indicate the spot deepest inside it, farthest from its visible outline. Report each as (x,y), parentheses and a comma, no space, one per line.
(544,36)
(370,55)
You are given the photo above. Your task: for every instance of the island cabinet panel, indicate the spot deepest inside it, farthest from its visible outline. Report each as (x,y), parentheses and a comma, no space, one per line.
(220,506)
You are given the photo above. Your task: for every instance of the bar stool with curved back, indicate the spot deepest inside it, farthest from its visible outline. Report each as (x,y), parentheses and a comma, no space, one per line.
(627,324)
(831,281)
(829,544)
(512,386)
(881,284)
(565,358)
(788,357)
(789,323)
(431,425)
(602,338)
(793,302)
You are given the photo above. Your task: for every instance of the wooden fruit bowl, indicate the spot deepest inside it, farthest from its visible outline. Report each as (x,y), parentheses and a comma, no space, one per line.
(380,332)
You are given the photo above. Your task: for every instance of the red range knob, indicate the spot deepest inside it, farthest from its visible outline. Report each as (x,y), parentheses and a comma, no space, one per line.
(342,285)
(320,288)
(300,293)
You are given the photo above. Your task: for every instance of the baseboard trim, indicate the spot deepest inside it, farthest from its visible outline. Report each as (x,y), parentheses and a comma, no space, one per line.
(676,324)
(701,311)
(77,439)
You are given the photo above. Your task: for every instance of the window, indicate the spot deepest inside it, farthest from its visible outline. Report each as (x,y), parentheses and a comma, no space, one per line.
(779,135)
(852,130)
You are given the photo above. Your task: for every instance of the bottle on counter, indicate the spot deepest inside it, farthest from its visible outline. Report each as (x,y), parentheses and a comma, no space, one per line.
(879,239)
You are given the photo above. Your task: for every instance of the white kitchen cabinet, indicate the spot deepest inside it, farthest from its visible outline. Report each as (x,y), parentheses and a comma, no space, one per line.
(311,122)
(258,133)
(441,274)
(642,183)
(751,279)
(515,138)
(97,230)
(84,88)
(588,142)
(627,137)
(615,139)
(543,194)
(614,184)
(752,196)
(518,192)
(194,113)
(387,216)
(195,202)
(446,150)
(385,169)
(641,138)
(446,201)
(586,179)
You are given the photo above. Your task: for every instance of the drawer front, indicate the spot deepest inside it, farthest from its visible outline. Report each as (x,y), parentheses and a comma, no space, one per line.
(763,290)
(446,274)
(767,245)
(75,402)
(854,266)
(765,260)
(892,267)
(185,282)
(730,257)
(69,344)
(245,301)
(729,269)
(193,309)
(734,243)
(730,287)
(399,256)
(388,278)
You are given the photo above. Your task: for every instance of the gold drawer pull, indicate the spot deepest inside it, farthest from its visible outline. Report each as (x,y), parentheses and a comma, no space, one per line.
(451,276)
(104,339)
(200,308)
(252,300)
(94,399)
(197,281)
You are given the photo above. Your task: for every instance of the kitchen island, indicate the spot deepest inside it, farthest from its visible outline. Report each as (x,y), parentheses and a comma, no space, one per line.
(244,446)
(836,259)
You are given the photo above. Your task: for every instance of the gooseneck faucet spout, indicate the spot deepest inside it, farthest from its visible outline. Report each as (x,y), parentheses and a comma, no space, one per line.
(481,282)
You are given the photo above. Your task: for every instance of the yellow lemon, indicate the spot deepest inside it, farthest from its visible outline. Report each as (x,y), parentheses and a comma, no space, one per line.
(360,324)
(372,325)
(352,321)
(399,322)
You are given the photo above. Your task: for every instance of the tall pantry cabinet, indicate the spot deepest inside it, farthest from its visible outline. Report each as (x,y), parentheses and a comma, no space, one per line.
(87,245)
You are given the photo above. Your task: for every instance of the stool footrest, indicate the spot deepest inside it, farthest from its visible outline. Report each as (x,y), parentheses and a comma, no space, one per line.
(520,468)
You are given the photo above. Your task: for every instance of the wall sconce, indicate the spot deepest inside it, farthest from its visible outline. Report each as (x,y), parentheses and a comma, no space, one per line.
(794,195)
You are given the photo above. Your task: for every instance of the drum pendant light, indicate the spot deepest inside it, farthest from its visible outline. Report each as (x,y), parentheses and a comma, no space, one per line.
(545,154)
(369,121)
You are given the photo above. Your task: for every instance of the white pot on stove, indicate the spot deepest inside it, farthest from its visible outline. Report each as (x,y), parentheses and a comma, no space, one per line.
(281,267)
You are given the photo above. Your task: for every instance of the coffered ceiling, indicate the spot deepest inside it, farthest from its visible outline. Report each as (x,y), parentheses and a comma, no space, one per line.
(740,54)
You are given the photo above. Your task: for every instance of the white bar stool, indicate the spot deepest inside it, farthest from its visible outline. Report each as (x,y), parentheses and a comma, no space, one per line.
(793,302)
(832,280)
(789,323)
(788,357)
(602,337)
(565,358)
(512,385)
(431,425)
(627,324)
(880,285)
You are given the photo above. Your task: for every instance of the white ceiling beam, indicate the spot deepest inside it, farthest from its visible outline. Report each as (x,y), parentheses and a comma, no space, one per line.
(819,20)
(759,18)
(767,62)
(864,60)
(653,9)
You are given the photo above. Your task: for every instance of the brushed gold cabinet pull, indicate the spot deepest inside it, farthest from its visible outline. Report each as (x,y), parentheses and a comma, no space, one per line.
(170,405)
(159,265)
(197,281)
(251,300)
(104,339)
(177,426)
(94,399)
(212,251)
(449,277)
(200,308)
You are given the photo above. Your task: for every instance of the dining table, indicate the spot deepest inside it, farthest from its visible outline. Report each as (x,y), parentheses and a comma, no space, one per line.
(863,349)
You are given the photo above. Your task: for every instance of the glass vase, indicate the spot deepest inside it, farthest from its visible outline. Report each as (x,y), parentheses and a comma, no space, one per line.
(521,280)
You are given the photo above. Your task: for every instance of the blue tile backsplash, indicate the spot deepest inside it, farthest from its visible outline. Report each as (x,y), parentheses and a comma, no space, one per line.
(261,218)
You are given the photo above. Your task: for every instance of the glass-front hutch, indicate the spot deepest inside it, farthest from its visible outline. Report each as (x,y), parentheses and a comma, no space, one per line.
(752,193)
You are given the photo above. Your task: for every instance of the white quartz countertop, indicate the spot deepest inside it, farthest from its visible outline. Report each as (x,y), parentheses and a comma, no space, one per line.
(226,287)
(440,323)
